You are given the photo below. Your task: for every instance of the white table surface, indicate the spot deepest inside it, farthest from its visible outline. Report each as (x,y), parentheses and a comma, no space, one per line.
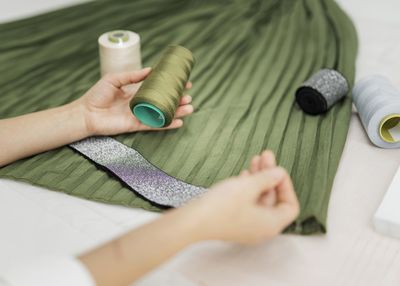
(36,221)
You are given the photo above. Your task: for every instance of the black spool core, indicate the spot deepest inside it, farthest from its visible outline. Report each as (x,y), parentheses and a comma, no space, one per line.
(311,101)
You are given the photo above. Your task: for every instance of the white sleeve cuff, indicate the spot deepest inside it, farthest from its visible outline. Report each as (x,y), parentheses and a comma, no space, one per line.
(48,271)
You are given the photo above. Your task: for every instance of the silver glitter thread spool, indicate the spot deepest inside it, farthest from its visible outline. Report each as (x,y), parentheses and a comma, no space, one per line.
(378,105)
(321,91)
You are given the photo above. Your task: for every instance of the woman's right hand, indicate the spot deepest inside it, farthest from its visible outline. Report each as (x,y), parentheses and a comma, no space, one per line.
(238,209)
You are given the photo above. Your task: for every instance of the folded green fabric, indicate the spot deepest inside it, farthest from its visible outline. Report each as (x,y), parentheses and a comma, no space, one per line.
(251,57)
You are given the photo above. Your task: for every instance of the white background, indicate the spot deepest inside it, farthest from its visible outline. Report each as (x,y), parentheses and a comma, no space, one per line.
(35,221)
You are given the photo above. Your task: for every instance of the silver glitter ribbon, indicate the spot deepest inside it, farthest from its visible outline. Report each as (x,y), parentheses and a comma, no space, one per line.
(139,174)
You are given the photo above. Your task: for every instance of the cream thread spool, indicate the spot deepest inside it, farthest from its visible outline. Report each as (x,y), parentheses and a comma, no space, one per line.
(378,104)
(119,51)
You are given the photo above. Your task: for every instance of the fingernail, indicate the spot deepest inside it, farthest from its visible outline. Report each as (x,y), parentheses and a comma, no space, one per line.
(276,173)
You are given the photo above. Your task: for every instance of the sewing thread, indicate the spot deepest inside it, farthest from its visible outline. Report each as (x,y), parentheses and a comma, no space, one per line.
(119,51)
(378,105)
(321,91)
(157,99)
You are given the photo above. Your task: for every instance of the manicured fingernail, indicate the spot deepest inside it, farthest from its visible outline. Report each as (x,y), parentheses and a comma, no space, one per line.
(266,152)
(276,173)
(188,98)
(190,108)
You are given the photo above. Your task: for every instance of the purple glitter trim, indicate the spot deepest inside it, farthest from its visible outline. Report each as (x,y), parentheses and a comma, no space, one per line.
(138,173)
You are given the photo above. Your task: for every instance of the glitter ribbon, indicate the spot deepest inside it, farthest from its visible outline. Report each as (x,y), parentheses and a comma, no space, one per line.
(136,172)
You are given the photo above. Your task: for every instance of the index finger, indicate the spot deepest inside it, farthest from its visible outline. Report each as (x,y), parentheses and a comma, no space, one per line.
(285,191)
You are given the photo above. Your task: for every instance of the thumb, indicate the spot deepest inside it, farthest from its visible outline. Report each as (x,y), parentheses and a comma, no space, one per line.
(120,79)
(265,180)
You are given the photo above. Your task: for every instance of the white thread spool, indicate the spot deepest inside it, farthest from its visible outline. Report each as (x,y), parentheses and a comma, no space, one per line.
(119,52)
(378,105)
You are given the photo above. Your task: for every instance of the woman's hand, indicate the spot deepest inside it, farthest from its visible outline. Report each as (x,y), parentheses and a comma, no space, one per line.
(234,210)
(241,209)
(106,105)
(103,110)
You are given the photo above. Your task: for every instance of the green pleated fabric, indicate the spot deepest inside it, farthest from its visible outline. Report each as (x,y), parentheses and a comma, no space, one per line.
(251,55)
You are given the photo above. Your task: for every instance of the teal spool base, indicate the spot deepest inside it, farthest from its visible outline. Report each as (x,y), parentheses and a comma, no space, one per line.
(149,115)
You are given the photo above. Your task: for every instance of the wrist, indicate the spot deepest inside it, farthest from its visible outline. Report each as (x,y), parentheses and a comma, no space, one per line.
(77,117)
(194,221)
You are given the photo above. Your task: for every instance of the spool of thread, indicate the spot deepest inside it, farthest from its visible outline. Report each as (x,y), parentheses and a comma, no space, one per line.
(321,91)
(158,97)
(119,52)
(378,105)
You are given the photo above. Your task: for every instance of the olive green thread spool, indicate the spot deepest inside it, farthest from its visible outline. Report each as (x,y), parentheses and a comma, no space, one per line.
(157,99)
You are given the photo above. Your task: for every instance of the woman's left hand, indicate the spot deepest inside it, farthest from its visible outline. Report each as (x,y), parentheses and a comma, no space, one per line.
(106,105)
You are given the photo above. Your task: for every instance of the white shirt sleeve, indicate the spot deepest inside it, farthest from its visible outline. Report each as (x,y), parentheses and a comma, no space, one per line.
(47,271)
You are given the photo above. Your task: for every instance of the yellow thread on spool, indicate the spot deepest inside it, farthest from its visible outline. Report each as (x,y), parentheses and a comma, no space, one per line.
(118,36)
(386,124)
